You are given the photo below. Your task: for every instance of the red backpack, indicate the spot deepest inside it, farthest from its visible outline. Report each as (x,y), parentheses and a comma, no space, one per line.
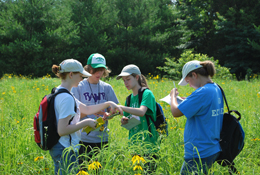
(45,125)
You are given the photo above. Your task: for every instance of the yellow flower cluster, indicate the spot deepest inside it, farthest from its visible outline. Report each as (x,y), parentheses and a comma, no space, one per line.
(16,121)
(94,166)
(46,76)
(9,76)
(153,77)
(255,139)
(81,172)
(137,159)
(13,88)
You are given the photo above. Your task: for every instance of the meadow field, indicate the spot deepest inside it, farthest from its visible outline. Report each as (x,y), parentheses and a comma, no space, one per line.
(19,101)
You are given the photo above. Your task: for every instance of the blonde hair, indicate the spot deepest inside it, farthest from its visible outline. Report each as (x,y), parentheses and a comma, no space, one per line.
(141,80)
(92,70)
(207,69)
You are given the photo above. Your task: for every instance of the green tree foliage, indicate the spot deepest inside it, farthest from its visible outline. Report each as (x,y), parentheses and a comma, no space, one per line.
(234,27)
(173,67)
(95,20)
(198,17)
(141,34)
(34,35)
(253,43)
(221,29)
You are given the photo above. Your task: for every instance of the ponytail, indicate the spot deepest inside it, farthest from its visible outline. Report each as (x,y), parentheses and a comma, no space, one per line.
(207,69)
(142,80)
(56,69)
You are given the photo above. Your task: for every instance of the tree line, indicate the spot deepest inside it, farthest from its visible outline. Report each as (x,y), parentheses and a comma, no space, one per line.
(38,33)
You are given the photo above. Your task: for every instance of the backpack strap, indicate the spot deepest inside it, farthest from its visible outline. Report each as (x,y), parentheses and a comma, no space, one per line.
(232,167)
(65,91)
(140,97)
(229,111)
(128,100)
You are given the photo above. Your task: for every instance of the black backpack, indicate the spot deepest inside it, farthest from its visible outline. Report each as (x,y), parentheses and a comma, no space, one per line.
(232,138)
(45,125)
(160,122)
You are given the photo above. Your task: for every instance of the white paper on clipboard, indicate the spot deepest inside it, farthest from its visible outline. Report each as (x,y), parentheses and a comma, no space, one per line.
(167,99)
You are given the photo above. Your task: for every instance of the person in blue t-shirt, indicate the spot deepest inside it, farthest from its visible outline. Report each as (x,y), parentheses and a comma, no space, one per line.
(204,112)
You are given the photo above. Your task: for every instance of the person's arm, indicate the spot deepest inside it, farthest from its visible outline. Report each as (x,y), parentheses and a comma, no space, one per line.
(64,128)
(88,110)
(174,104)
(135,111)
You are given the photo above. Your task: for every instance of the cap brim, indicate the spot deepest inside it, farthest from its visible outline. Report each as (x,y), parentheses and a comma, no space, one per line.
(182,82)
(124,74)
(98,66)
(85,74)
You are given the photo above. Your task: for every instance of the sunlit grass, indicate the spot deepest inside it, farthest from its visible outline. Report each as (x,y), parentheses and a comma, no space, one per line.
(19,101)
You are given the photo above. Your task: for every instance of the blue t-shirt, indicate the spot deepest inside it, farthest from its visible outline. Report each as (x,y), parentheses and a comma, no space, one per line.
(204,112)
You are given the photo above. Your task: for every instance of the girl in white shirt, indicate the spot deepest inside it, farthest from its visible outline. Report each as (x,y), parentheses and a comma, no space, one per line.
(70,72)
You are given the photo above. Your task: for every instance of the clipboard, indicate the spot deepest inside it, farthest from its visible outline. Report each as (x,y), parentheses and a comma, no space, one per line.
(132,122)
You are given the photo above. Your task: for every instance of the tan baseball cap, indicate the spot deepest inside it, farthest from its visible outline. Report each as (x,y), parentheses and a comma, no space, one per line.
(71,65)
(128,70)
(187,68)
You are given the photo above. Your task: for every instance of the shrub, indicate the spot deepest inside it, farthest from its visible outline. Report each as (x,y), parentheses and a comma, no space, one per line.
(173,67)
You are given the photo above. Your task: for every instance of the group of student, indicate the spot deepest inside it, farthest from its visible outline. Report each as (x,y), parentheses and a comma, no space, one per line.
(96,98)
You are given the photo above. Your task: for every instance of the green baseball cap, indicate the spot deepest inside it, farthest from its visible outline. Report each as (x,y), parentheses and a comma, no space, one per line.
(97,60)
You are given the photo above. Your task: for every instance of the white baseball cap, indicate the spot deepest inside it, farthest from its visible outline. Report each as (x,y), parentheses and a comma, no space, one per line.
(187,68)
(71,65)
(128,70)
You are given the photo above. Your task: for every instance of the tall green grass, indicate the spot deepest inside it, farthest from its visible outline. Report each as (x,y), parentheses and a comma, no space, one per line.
(19,101)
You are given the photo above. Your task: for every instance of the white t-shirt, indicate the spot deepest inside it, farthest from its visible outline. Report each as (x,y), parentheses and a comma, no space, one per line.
(64,106)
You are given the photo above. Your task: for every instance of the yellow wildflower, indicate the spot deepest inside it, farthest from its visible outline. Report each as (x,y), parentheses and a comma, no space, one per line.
(17,122)
(38,158)
(138,167)
(20,163)
(97,164)
(81,172)
(137,158)
(37,89)
(91,166)
(3,93)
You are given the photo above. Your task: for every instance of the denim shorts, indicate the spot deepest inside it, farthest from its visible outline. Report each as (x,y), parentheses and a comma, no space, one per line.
(65,160)
(196,165)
